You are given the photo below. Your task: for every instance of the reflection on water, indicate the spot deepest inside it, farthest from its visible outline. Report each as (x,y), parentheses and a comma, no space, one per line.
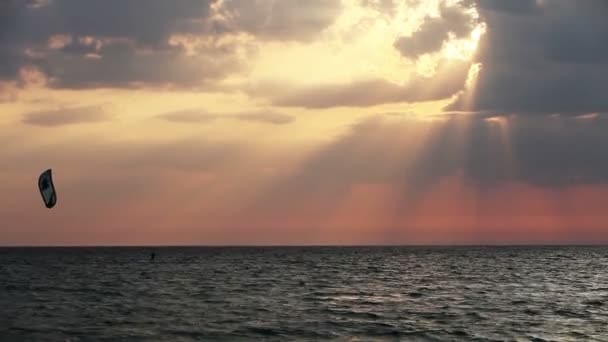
(382,293)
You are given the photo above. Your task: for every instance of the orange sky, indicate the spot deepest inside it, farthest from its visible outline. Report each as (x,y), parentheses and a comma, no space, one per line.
(346,122)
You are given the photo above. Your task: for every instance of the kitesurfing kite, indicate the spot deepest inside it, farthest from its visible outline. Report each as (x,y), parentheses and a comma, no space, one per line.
(47,189)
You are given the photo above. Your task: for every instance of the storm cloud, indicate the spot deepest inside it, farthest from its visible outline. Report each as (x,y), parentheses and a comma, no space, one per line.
(541,58)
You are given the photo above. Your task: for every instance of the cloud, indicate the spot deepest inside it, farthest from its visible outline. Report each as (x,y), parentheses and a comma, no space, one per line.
(114,18)
(111,44)
(382,6)
(10,54)
(449,78)
(277,20)
(201,116)
(66,116)
(519,7)
(123,65)
(546,150)
(541,57)
(184,43)
(434,31)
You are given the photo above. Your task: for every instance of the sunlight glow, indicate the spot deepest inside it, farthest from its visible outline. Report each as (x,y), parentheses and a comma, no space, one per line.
(500,127)
(471,85)
(360,45)
(464,49)
(397,168)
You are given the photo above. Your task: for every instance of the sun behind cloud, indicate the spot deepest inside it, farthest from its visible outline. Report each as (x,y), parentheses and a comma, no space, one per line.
(361,44)
(288,121)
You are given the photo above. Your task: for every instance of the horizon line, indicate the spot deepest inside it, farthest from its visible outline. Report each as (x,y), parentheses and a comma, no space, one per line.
(596,244)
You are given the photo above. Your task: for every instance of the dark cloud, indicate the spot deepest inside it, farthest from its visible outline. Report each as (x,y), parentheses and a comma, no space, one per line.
(66,116)
(10,64)
(539,150)
(434,32)
(283,20)
(82,46)
(200,116)
(115,18)
(111,44)
(519,7)
(448,80)
(123,65)
(11,56)
(547,58)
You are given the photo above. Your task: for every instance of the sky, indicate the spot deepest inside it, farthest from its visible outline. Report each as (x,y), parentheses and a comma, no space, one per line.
(273,122)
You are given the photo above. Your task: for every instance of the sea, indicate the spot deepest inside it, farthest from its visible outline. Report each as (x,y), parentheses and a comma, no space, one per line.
(531,293)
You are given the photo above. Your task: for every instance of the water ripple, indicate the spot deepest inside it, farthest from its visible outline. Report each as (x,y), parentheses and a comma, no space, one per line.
(321,293)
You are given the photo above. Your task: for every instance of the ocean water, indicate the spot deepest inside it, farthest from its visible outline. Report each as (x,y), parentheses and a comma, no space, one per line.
(304,294)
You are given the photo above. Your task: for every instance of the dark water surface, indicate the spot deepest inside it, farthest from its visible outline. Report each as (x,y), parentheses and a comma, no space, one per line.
(304,293)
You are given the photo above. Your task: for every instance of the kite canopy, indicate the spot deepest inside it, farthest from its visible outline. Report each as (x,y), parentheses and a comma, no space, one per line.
(47,189)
